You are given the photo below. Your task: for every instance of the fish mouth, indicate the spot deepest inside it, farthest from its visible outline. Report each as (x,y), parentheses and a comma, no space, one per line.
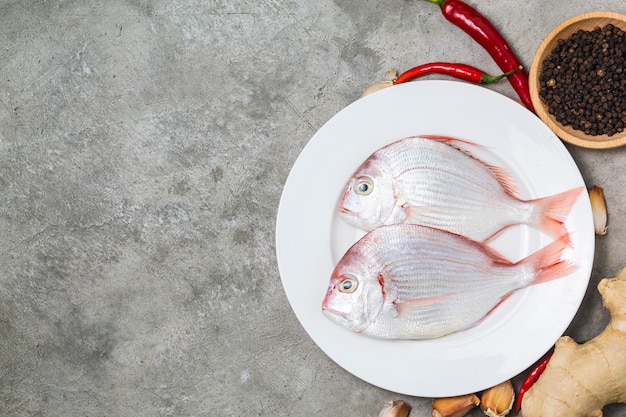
(344,211)
(327,311)
(341,319)
(341,206)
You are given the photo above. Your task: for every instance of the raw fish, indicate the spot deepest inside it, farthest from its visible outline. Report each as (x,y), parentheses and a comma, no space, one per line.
(414,282)
(428,181)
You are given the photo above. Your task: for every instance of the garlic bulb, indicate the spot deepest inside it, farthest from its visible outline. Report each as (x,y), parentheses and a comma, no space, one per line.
(598,208)
(391,75)
(376,87)
(396,408)
(454,406)
(497,401)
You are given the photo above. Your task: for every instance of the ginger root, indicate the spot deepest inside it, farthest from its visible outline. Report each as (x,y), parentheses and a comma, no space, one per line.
(581,379)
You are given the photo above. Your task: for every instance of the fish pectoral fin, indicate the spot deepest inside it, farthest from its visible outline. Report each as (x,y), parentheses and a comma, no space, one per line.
(419,214)
(418,305)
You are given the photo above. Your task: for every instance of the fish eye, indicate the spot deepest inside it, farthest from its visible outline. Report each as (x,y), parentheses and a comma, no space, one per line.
(348,285)
(364,186)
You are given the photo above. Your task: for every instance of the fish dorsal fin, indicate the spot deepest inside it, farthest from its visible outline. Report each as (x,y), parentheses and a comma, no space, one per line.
(500,173)
(503,177)
(450,140)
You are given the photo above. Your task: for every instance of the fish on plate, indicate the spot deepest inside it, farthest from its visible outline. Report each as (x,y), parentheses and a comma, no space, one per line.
(428,180)
(407,281)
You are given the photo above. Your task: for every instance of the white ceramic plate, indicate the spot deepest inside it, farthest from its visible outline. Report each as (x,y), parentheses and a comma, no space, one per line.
(310,238)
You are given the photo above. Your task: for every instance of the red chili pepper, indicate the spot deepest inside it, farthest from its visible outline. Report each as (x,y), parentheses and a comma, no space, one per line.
(462,71)
(483,32)
(531,378)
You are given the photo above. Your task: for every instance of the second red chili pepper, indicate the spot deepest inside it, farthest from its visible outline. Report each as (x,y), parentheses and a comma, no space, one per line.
(461,71)
(531,378)
(483,32)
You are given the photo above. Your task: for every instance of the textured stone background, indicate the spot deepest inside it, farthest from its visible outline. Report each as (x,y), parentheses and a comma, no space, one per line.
(143,149)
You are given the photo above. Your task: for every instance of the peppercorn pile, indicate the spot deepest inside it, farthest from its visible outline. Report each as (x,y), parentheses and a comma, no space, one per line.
(583,81)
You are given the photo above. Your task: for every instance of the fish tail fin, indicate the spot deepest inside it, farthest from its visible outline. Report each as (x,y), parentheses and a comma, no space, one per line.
(548,262)
(553,211)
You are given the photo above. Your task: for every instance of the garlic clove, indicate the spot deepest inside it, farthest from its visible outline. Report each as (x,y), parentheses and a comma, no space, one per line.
(497,401)
(377,87)
(454,406)
(397,408)
(598,208)
(391,75)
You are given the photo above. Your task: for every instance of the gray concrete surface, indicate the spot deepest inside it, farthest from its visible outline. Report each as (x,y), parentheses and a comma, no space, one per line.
(143,149)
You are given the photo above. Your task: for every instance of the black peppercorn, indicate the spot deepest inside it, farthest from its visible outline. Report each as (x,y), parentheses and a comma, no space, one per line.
(583,82)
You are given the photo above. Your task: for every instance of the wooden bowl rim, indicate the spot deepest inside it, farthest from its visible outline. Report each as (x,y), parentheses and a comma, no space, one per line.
(567,133)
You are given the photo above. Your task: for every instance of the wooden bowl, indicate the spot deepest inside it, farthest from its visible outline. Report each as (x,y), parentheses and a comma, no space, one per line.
(586,21)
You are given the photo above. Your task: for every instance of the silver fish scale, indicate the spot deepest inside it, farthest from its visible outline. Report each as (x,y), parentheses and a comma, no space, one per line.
(435,282)
(440,262)
(449,189)
(455,282)
(438,185)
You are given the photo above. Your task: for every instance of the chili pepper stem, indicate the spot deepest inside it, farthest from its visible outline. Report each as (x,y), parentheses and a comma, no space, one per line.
(482,31)
(487,78)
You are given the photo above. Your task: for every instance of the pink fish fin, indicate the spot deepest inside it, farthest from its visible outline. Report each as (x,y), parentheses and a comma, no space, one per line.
(449,140)
(419,214)
(496,233)
(548,262)
(553,211)
(500,173)
(502,300)
(504,178)
(405,308)
(493,254)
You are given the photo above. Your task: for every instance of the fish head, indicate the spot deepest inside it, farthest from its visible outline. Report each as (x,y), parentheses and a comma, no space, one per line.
(369,199)
(353,299)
